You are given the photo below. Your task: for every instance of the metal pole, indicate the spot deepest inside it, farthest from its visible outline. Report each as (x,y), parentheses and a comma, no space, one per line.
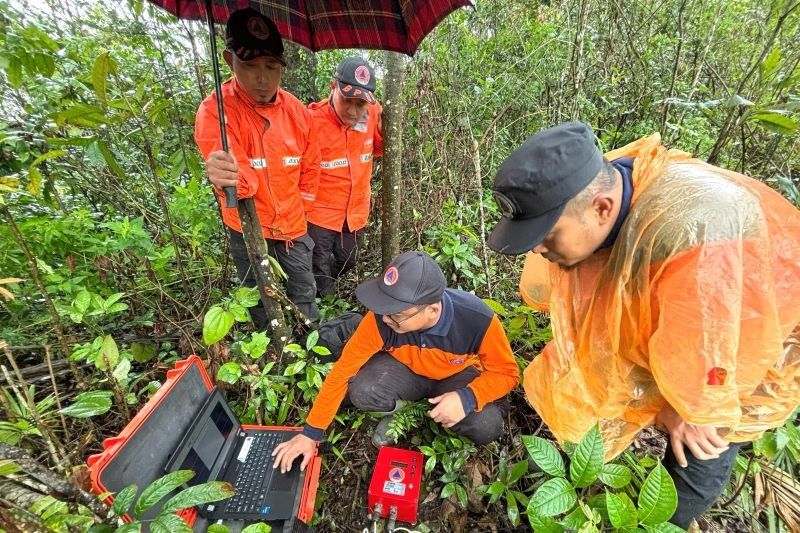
(230,192)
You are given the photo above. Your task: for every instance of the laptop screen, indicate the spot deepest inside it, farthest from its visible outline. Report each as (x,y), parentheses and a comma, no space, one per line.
(205,449)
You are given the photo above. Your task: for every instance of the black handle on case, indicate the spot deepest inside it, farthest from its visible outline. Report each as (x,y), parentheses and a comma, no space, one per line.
(230,196)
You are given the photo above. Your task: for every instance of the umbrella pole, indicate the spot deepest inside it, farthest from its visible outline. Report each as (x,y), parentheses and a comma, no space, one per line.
(230,192)
(252,233)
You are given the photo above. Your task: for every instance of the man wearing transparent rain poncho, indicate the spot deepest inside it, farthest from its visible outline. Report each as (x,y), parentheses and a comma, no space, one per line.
(673,288)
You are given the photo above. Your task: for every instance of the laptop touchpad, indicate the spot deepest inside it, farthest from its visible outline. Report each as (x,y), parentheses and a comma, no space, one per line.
(284,482)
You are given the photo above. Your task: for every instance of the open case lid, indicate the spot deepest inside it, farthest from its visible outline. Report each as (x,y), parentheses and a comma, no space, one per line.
(140,452)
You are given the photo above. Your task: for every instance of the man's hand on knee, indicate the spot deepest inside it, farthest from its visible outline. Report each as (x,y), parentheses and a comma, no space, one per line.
(222,169)
(702,441)
(449,410)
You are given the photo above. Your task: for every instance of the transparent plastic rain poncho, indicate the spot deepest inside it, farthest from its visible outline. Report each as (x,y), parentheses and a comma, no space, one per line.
(697,304)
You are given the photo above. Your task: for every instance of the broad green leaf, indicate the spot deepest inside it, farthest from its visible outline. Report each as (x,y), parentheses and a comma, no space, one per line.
(517,471)
(124,499)
(545,455)
(205,493)
(89,404)
(543,524)
(247,296)
(7,467)
(143,352)
(448,490)
(658,498)
(52,154)
(229,373)
(85,115)
(100,76)
(216,324)
(109,158)
(615,476)
(260,527)
(122,369)
(133,527)
(495,490)
(621,510)
(217,528)
(771,63)
(169,523)
(321,350)
(554,496)
(495,306)
(160,488)
(109,354)
(239,312)
(777,122)
(511,509)
(587,460)
(575,519)
(257,345)
(312,339)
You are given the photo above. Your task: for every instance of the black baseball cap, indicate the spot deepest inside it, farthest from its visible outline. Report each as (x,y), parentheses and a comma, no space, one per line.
(249,34)
(412,278)
(536,182)
(356,78)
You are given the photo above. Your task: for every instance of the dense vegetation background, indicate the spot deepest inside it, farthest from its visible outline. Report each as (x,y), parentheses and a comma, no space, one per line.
(112,251)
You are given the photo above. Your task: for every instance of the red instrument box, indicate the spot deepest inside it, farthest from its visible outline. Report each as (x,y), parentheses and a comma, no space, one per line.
(395,484)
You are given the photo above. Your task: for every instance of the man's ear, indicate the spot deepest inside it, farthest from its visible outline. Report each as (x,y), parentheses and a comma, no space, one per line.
(603,207)
(228,57)
(333,84)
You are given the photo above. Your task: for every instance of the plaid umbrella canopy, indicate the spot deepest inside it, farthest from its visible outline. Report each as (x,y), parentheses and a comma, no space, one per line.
(395,25)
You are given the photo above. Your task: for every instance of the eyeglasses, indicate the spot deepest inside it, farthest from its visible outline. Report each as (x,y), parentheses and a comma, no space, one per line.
(399,322)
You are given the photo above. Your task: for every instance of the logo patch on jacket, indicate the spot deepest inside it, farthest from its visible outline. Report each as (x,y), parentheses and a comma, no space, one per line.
(291,161)
(336,163)
(258,163)
(366,157)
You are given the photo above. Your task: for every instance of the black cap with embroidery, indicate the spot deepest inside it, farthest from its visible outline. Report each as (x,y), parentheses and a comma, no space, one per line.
(356,79)
(535,183)
(249,34)
(412,278)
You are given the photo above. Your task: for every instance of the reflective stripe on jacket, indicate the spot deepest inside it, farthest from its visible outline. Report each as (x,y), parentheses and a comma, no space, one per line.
(346,168)
(278,156)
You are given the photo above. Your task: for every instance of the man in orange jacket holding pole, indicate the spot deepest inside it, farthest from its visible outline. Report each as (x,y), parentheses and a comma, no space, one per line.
(672,287)
(274,156)
(348,126)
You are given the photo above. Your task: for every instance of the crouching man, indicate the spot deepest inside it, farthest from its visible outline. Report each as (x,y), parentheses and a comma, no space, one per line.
(418,340)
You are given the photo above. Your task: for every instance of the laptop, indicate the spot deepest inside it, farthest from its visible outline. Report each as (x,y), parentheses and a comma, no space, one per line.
(217,448)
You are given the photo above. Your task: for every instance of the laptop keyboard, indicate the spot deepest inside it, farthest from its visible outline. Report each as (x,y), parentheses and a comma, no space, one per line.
(252,479)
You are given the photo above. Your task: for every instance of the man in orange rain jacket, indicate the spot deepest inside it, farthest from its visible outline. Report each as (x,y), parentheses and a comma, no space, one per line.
(348,126)
(274,156)
(673,293)
(418,340)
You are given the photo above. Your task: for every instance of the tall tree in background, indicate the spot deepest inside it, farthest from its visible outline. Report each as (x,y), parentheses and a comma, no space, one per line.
(393,112)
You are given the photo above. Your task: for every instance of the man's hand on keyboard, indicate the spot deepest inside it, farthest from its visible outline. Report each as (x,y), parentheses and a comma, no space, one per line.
(286,452)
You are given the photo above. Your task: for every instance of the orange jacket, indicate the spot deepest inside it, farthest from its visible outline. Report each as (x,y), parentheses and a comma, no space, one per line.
(344,191)
(277,152)
(696,305)
(468,334)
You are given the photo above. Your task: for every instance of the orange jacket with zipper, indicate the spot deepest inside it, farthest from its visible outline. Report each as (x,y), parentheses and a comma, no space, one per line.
(277,152)
(346,168)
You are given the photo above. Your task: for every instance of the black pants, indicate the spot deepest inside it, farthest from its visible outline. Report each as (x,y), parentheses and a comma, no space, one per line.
(335,252)
(295,261)
(700,483)
(384,380)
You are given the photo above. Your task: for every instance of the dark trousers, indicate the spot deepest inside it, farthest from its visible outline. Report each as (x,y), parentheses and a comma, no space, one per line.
(700,483)
(384,380)
(295,259)
(335,252)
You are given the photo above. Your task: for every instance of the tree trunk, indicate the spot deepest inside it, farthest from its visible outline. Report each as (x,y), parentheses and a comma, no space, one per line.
(300,74)
(393,111)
